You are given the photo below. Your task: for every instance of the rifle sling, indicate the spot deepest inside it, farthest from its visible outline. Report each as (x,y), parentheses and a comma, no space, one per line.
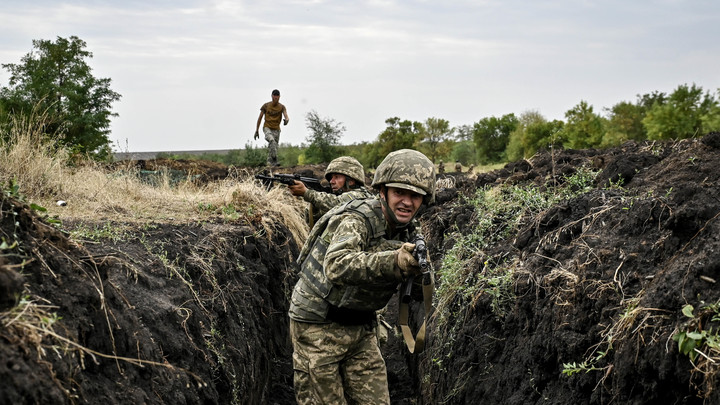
(416,344)
(311,213)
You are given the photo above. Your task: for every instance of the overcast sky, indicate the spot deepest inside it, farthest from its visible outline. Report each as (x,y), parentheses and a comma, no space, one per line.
(194,73)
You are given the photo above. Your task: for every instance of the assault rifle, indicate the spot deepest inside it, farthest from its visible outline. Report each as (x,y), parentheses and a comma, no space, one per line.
(289,179)
(420,254)
(416,344)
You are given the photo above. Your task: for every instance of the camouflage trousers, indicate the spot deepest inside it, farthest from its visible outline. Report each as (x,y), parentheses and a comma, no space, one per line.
(337,364)
(272,136)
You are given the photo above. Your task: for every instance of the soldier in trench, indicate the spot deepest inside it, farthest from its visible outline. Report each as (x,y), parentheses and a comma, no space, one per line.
(351,265)
(346,176)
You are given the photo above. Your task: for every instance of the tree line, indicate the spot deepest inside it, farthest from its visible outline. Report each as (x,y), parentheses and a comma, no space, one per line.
(55,82)
(686,112)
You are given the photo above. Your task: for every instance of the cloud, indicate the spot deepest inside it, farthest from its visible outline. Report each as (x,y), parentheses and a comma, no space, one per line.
(194,73)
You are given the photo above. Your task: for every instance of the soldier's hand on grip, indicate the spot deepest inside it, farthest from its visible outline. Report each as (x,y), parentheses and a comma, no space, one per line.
(405,262)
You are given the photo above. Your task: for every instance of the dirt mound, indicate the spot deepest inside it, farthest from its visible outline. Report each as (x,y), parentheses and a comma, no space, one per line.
(174,314)
(599,285)
(197,313)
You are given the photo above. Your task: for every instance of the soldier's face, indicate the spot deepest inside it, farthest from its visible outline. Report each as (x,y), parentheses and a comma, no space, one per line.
(337,181)
(403,203)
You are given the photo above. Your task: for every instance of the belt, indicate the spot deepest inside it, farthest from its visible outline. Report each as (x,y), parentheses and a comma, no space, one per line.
(345,316)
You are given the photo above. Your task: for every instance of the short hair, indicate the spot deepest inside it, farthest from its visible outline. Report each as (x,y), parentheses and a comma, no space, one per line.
(276,92)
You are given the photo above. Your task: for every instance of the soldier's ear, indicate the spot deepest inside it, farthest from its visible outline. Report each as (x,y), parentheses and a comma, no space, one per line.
(382,192)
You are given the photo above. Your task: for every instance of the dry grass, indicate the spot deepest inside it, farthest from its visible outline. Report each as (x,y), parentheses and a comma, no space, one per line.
(28,158)
(34,169)
(45,175)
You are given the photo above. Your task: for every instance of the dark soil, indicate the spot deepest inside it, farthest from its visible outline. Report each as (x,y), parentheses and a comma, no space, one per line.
(197,313)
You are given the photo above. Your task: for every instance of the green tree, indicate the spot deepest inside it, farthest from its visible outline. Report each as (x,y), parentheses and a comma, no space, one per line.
(464,152)
(624,123)
(371,154)
(648,101)
(711,119)
(399,134)
(682,116)
(533,133)
(491,136)
(324,138)
(253,157)
(463,148)
(55,79)
(624,119)
(583,128)
(434,138)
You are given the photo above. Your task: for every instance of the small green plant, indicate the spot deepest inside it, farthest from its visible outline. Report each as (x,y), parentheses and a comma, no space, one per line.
(617,184)
(690,343)
(586,366)
(582,180)
(206,207)
(613,333)
(96,232)
(12,189)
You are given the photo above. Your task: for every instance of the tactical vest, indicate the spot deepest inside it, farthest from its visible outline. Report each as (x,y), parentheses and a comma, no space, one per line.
(314,295)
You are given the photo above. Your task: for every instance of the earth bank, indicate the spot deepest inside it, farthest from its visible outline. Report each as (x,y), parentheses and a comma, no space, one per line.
(196,312)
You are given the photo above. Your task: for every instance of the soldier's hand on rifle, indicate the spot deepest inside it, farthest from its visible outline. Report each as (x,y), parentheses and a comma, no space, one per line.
(298,189)
(257,135)
(405,262)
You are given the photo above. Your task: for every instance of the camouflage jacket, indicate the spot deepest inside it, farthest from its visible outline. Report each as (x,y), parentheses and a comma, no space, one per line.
(348,263)
(323,202)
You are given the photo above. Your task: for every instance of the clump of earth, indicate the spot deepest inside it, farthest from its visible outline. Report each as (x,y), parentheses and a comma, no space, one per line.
(197,312)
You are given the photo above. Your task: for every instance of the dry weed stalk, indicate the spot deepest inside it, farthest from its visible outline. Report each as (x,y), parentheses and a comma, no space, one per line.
(32,326)
(707,367)
(550,239)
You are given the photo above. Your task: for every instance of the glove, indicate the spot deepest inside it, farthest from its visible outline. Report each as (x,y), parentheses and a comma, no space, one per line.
(285,122)
(405,262)
(257,135)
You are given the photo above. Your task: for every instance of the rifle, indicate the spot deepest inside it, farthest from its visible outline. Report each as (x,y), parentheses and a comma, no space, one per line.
(420,253)
(416,344)
(289,179)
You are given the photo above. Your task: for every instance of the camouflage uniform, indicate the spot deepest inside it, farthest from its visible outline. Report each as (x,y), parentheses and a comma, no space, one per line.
(348,272)
(323,202)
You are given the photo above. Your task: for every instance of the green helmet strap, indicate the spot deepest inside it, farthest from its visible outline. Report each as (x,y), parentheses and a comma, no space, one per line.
(393,219)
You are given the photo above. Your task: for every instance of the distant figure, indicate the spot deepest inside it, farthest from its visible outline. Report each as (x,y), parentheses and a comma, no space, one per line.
(471,168)
(273,112)
(441,167)
(458,166)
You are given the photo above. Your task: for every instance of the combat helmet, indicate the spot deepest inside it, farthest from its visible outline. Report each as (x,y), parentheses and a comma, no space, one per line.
(349,166)
(407,169)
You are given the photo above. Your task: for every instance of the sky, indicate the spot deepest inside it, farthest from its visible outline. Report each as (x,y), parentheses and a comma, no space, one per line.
(193,73)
